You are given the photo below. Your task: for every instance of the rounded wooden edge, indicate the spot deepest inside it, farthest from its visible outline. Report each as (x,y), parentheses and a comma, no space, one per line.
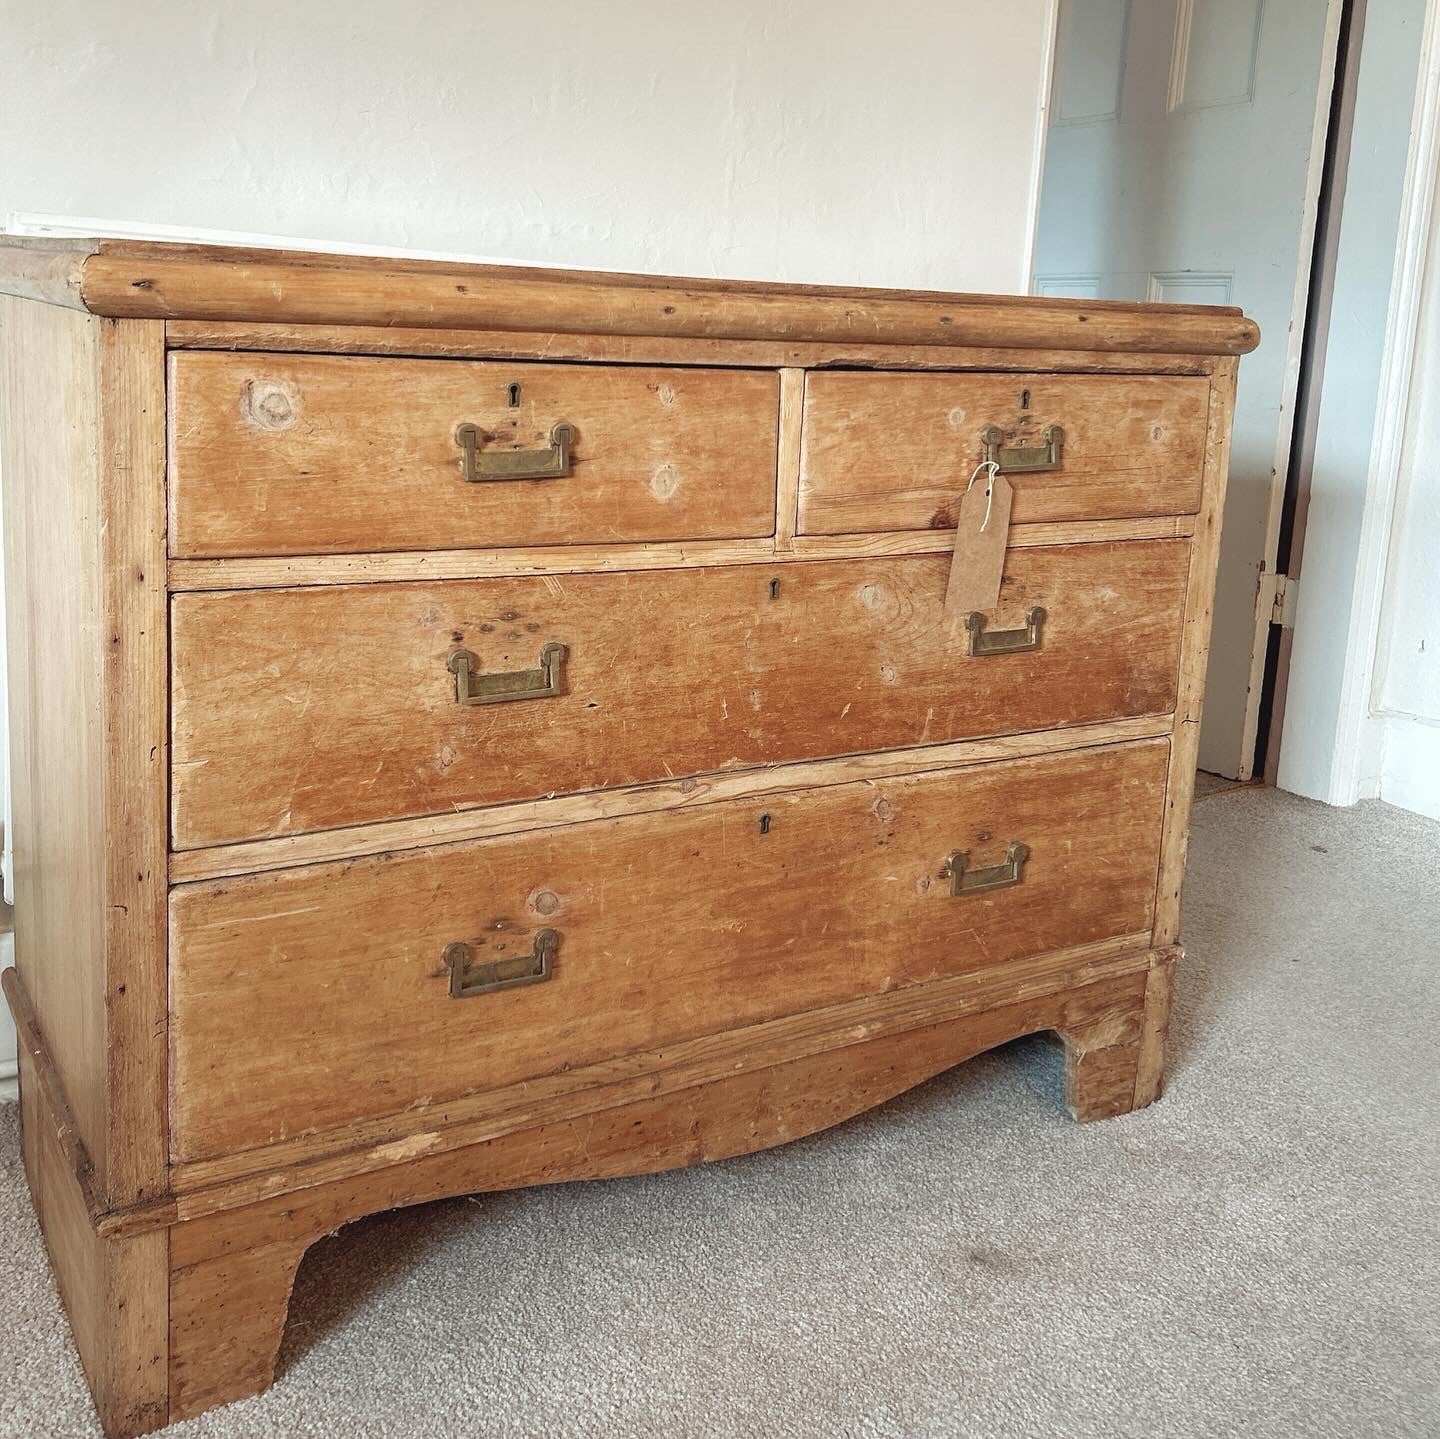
(216,284)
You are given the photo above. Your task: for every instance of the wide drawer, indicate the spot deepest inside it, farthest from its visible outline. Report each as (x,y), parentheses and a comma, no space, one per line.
(895,452)
(310,454)
(306,709)
(311,997)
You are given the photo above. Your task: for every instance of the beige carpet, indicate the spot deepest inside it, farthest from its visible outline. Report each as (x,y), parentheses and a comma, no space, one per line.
(1256,1255)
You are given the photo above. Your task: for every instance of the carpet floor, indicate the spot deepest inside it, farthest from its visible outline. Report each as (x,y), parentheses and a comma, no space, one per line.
(1257,1254)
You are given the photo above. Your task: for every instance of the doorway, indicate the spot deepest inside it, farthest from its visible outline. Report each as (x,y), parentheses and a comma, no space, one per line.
(1184,163)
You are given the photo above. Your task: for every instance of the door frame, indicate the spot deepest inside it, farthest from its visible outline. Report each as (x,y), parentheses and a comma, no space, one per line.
(1354,768)
(1244,763)
(1270,577)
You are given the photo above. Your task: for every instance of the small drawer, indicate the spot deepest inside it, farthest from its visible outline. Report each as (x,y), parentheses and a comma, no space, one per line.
(407,979)
(311,454)
(315,708)
(895,452)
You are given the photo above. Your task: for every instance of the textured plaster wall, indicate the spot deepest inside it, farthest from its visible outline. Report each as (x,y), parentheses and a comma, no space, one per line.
(839,141)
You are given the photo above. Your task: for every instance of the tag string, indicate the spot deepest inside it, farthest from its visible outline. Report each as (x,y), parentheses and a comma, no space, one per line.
(994,468)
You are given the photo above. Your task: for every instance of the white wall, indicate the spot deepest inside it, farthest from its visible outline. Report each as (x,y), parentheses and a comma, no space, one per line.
(824,140)
(832,141)
(1334,740)
(1404,725)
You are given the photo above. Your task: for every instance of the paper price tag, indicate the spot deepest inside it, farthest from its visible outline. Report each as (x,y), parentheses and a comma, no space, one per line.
(980,538)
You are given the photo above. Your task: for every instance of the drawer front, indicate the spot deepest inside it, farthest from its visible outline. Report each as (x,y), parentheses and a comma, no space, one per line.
(315,996)
(308,709)
(895,452)
(311,454)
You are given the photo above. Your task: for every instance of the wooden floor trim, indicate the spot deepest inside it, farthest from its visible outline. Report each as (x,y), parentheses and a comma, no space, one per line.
(454,827)
(213,1186)
(52,1093)
(287,571)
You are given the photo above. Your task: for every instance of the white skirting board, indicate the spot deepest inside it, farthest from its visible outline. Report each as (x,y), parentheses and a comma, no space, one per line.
(1410,763)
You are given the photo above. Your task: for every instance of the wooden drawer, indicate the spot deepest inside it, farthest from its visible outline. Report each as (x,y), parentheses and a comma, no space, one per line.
(309,454)
(308,709)
(895,452)
(335,976)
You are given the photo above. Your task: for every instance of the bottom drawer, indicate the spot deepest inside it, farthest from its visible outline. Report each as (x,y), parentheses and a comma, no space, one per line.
(310,997)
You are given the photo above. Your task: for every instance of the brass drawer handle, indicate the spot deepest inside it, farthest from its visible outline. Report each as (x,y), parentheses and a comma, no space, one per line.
(475,688)
(1005,642)
(964,880)
(548,464)
(467,980)
(1018,459)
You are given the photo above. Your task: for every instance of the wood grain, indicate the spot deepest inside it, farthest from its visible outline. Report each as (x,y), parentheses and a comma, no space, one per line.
(693,790)
(115,1291)
(211,1186)
(896,452)
(82,431)
(1194,654)
(736,813)
(1159,997)
(1102,1055)
(224,1350)
(300,454)
(216,1186)
(667,675)
(1020,537)
(135,751)
(855,1077)
(260,965)
(227,1314)
(58,1118)
(50,433)
(47,271)
(359,266)
(787,469)
(203,283)
(659,350)
(281,572)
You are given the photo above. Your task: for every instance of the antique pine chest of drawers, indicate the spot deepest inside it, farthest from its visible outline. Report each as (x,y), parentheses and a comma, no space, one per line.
(478,727)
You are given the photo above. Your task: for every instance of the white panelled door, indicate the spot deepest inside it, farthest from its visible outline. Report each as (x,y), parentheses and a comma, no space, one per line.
(1182,163)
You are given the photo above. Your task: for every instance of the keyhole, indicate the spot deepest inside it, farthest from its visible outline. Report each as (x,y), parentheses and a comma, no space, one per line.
(774,589)
(1024,399)
(513,390)
(764,824)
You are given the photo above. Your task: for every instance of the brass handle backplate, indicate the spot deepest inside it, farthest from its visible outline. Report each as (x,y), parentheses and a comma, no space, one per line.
(964,880)
(1005,642)
(467,979)
(472,687)
(548,464)
(1019,459)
